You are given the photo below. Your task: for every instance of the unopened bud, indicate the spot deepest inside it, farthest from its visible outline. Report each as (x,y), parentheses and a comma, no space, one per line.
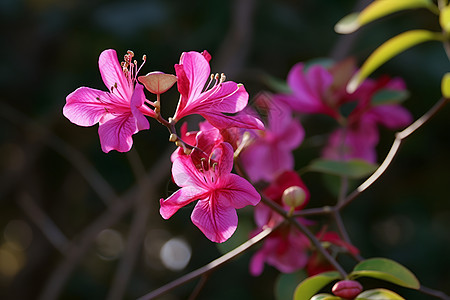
(294,196)
(347,289)
(173,137)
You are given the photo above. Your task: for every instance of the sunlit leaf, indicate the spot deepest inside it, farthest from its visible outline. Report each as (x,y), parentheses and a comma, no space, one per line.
(379,294)
(355,168)
(385,96)
(310,286)
(388,50)
(379,9)
(324,296)
(385,269)
(445,85)
(444,18)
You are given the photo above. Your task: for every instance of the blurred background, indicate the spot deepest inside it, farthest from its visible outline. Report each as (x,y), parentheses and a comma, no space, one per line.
(76,223)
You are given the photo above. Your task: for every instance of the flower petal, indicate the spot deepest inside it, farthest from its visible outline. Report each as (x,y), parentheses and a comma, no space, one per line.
(86,106)
(185,173)
(238,192)
(115,133)
(137,101)
(217,221)
(222,121)
(197,70)
(113,76)
(180,198)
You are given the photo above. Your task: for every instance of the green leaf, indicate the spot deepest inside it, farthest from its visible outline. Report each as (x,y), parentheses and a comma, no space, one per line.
(388,50)
(355,168)
(445,85)
(383,97)
(310,286)
(444,18)
(324,296)
(277,84)
(379,294)
(286,283)
(379,9)
(386,269)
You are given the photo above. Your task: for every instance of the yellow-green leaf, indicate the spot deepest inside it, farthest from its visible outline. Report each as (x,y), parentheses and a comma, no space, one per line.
(444,18)
(379,9)
(445,85)
(379,294)
(388,50)
(310,286)
(385,269)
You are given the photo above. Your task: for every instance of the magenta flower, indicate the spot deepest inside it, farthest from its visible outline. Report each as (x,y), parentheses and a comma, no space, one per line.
(274,145)
(219,192)
(215,99)
(119,112)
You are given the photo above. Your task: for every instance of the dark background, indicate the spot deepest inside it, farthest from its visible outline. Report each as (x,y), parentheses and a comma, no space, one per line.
(50,195)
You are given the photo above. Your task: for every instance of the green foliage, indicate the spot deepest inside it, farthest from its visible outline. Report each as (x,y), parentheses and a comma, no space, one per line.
(385,269)
(324,296)
(310,286)
(388,50)
(379,294)
(445,85)
(355,168)
(286,283)
(444,19)
(377,10)
(384,97)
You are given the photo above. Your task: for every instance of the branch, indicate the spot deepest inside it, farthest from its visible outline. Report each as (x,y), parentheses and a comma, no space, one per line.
(211,266)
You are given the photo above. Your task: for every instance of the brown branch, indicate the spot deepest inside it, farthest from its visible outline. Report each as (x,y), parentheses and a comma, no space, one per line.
(217,263)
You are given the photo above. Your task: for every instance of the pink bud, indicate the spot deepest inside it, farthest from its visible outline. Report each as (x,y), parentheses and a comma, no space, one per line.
(347,289)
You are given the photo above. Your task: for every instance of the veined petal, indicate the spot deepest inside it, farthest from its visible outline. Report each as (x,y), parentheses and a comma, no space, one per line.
(227,97)
(86,106)
(226,159)
(113,76)
(217,221)
(197,71)
(180,198)
(137,101)
(238,192)
(222,121)
(115,133)
(185,173)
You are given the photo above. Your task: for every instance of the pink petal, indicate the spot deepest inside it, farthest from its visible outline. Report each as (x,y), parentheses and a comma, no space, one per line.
(113,76)
(225,160)
(257,263)
(238,192)
(115,133)
(217,221)
(391,116)
(86,106)
(228,97)
(180,198)
(137,100)
(222,121)
(185,173)
(197,71)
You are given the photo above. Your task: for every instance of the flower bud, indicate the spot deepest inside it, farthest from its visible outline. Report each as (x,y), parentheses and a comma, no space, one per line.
(347,289)
(157,82)
(294,196)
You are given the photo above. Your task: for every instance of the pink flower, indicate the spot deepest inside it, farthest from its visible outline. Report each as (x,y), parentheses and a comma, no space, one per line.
(287,248)
(119,112)
(270,152)
(219,192)
(214,99)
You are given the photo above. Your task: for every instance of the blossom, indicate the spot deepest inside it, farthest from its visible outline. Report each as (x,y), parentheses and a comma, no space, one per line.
(286,248)
(120,112)
(219,192)
(214,100)
(270,152)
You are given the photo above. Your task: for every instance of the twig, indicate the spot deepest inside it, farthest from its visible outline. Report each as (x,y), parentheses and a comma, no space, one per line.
(199,287)
(43,222)
(78,161)
(79,246)
(399,137)
(219,262)
(434,293)
(136,232)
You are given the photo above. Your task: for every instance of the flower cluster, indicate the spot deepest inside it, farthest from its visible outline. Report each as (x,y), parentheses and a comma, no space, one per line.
(262,144)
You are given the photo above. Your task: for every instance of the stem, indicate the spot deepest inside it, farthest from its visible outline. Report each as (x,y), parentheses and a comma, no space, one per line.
(434,293)
(399,137)
(199,287)
(219,262)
